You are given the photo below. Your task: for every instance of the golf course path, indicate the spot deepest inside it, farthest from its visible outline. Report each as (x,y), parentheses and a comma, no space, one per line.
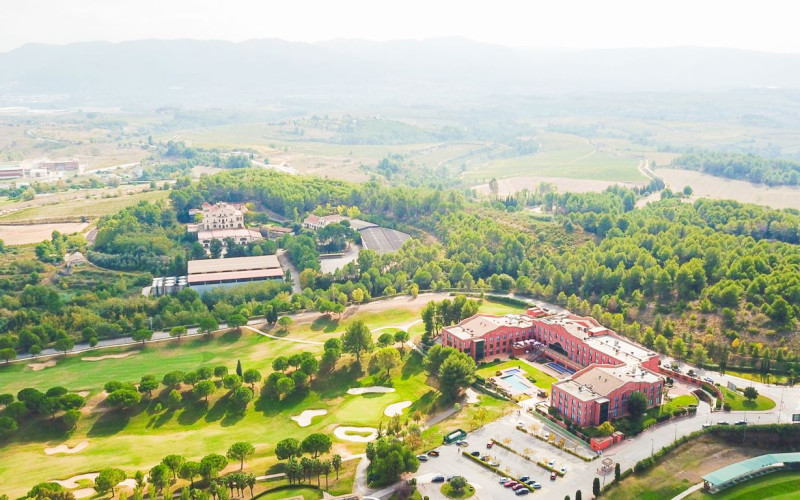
(255,330)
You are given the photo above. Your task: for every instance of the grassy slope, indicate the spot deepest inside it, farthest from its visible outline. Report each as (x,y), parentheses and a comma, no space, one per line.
(140,437)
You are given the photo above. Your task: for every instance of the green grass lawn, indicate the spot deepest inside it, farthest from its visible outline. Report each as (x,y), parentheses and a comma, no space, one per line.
(739,403)
(543,380)
(299,491)
(467,492)
(756,377)
(775,486)
(679,402)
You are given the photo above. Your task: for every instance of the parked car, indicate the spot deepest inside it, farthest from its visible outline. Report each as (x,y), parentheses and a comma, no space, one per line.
(707,424)
(422,458)
(437,479)
(494,463)
(433,453)
(475,453)
(519,486)
(535,485)
(552,476)
(551,463)
(490,444)
(723,422)
(486,458)
(740,422)
(563,470)
(708,379)
(522,491)
(524,479)
(509,484)
(504,480)
(462,443)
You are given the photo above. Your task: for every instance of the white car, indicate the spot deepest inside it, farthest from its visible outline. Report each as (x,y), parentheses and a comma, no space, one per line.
(551,463)
(504,480)
(563,470)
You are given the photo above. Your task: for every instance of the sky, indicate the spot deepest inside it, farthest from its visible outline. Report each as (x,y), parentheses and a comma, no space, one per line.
(767,25)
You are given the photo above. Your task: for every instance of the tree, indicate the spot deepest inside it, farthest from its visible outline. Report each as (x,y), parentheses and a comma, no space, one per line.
(678,348)
(6,399)
(70,419)
(148,384)
(272,315)
(8,354)
(177,332)
(71,401)
(64,344)
(240,451)
(207,324)
(220,371)
(287,449)
(637,405)
(204,389)
(280,364)
(159,476)
(284,323)
(211,465)
(316,444)
(750,393)
(232,381)
(236,321)
(174,462)
(173,379)
(216,248)
(357,295)
(605,429)
(309,365)
(661,344)
(385,339)
(241,396)
(387,358)
(596,487)
(388,459)
(189,470)
(357,339)
(617,472)
(142,335)
(7,426)
(336,463)
(458,484)
(108,480)
(401,337)
(174,398)
(124,398)
(285,385)
(457,372)
(251,376)
(190,378)
(238,368)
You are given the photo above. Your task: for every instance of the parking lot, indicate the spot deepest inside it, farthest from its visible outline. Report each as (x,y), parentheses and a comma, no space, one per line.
(450,462)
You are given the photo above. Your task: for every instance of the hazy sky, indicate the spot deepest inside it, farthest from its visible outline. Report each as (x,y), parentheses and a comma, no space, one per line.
(760,25)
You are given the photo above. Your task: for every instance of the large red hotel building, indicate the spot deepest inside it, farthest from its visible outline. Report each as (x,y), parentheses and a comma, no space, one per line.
(605,368)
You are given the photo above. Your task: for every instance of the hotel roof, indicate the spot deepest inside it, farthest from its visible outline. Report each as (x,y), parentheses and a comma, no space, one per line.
(479,325)
(600,380)
(233,264)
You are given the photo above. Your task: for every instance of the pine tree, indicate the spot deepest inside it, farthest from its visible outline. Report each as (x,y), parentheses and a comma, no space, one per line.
(239,368)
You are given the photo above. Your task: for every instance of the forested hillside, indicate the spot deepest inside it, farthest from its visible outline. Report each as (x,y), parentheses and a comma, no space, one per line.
(770,171)
(715,280)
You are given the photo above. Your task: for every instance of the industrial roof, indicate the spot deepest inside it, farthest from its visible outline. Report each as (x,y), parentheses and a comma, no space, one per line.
(749,466)
(233,264)
(235,275)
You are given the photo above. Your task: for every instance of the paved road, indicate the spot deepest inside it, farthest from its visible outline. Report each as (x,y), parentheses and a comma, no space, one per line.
(287,264)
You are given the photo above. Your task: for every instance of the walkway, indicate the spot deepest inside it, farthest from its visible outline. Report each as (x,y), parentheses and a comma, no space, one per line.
(688,492)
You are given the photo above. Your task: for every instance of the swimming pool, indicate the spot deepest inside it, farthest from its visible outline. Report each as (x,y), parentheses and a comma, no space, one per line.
(516,382)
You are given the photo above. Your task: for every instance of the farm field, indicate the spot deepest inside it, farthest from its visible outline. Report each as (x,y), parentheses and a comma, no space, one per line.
(562,155)
(80,206)
(24,234)
(711,186)
(139,437)
(775,486)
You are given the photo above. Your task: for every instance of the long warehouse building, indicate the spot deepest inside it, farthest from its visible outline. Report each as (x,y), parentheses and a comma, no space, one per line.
(209,273)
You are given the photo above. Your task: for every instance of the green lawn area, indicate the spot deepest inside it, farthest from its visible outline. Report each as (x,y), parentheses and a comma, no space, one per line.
(543,380)
(756,377)
(467,492)
(775,486)
(299,491)
(679,402)
(739,403)
(138,438)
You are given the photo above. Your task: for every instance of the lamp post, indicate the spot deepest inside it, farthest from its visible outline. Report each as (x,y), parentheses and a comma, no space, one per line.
(676,433)
(652,447)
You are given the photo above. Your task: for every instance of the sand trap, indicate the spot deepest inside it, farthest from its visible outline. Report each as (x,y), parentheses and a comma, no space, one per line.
(62,448)
(72,482)
(304,419)
(37,367)
(109,356)
(343,433)
(367,390)
(129,483)
(396,408)
(84,493)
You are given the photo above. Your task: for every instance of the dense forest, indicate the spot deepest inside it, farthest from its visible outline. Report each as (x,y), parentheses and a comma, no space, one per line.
(717,281)
(770,171)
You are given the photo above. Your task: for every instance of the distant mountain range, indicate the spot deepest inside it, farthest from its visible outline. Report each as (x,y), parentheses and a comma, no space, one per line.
(149,74)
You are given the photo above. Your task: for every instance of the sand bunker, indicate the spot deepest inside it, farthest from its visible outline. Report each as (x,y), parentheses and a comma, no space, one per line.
(84,493)
(396,408)
(37,367)
(72,482)
(62,448)
(109,356)
(304,419)
(344,433)
(367,390)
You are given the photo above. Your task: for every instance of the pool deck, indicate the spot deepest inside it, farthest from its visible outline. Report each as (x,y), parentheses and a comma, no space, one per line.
(511,388)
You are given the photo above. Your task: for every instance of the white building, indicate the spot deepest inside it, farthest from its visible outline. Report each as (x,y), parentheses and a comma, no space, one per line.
(222,215)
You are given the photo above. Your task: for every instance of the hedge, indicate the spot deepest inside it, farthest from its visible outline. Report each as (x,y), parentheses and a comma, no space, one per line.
(551,469)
